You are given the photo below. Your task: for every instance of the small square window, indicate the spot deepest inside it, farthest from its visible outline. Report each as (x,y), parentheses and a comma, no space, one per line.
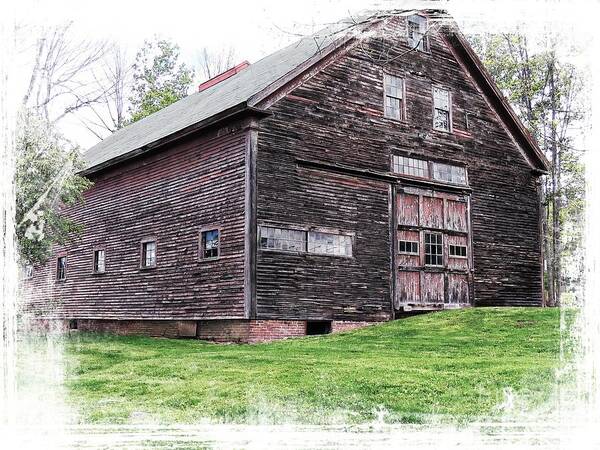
(61,268)
(408,247)
(209,245)
(457,251)
(99,264)
(149,254)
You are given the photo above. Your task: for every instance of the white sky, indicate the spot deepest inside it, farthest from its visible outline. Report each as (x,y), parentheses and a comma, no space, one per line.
(256,28)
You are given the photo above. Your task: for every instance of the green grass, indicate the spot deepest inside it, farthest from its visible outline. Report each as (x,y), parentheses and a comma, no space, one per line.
(455,364)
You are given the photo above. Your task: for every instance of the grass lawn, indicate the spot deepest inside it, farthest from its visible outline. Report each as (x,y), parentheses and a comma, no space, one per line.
(454,363)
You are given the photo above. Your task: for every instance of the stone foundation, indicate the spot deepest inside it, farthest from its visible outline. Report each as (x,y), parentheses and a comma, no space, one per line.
(230,330)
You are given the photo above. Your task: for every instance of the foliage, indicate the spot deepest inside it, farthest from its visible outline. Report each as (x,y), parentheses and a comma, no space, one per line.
(454,363)
(158,80)
(45,178)
(545,91)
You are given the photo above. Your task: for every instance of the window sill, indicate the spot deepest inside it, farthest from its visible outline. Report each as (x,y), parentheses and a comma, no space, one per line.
(148,267)
(304,254)
(98,273)
(207,260)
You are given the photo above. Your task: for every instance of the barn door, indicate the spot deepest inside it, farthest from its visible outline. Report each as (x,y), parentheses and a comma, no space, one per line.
(432,250)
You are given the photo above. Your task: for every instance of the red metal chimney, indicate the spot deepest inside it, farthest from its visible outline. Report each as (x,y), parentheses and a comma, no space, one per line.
(223,76)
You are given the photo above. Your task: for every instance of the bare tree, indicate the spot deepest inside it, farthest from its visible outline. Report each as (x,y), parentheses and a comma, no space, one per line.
(212,63)
(114,82)
(62,78)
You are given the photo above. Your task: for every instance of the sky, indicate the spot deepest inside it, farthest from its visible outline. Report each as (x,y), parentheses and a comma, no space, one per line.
(257,28)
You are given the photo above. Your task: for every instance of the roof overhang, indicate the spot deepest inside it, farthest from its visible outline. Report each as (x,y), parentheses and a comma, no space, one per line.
(238,112)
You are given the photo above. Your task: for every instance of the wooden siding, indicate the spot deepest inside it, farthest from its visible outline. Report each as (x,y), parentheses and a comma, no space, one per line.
(169,197)
(336,117)
(309,286)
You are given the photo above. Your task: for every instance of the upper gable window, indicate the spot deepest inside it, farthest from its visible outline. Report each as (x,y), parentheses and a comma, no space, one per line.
(394,97)
(417,29)
(441,109)
(99,259)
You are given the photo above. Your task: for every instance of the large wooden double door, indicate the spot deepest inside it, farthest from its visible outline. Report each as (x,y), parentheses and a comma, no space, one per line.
(432,249)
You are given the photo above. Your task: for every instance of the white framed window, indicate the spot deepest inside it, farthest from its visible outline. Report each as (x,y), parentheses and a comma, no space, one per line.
(329,243)
(210,243)
(148,254)
(449,173)
(408,247)
(27,272)
(99,261)
(417,32)
(410,166)
(434,249)
(457,251)
(282,239)
(394,97)
(61,268)
(442,113)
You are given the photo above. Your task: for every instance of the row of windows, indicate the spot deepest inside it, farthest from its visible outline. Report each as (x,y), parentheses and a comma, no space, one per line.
(284,239)
(434,249)
(428,169)
(209,249)
(394,105)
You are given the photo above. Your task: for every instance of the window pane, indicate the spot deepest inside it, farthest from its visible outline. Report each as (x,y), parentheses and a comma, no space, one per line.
(410,247)
(458,251)
(393,88)
(329,244)
(417,26)
(149,254)
(441,99)
(210,244)
(282,239)
(61,268)
(434,255)
(449,174)
(441,120)
(99,261)
(410,166)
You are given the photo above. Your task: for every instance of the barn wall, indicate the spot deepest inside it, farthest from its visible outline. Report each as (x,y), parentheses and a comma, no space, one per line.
(336,117)
(169,195)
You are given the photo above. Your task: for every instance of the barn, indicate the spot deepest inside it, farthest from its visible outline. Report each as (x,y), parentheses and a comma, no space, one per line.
(362,174)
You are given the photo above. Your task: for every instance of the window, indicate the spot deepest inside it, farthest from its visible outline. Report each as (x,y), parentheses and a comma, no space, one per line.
(441,109)
(449,174)
(417,29)
(274,238)
(99,261)
(61,268)
(209,244)
(28,272)
(408,247)
(458,251)
(282,239)
(433,249)
(394,90)
(149,254)
(410,166)
(329,244)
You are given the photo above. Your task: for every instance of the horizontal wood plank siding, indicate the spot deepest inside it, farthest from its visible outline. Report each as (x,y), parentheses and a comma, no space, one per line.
(336,117)
(168,196)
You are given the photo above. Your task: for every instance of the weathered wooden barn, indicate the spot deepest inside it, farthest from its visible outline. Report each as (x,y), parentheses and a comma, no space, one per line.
(361,174)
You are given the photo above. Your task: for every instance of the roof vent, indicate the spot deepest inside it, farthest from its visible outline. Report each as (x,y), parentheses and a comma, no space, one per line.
(223,76)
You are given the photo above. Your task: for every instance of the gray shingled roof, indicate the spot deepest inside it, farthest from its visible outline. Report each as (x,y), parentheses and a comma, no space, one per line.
(199,106)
